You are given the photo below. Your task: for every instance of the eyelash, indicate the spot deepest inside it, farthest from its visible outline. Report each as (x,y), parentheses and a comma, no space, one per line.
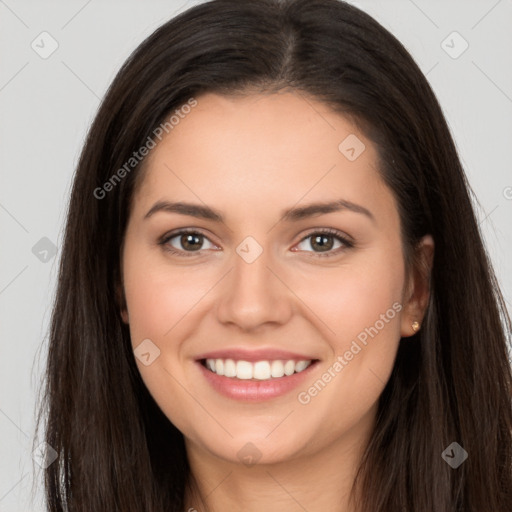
(329,232)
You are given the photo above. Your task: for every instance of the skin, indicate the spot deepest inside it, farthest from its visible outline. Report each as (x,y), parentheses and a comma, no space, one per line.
(250,158)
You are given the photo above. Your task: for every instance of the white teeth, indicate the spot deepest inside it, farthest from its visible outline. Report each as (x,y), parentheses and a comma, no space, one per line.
(229,368)
(301,365)
(261,370)
(289,367)
(243,370)
(277,369)
(219,367)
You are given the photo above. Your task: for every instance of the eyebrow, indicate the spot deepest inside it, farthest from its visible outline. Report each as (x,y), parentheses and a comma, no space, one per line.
(290,215)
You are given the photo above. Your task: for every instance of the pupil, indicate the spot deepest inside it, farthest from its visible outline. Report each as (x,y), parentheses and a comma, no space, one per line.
(187,237)
(321,240)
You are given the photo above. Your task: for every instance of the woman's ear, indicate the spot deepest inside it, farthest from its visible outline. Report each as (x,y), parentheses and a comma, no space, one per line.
(418,287)
(121,303)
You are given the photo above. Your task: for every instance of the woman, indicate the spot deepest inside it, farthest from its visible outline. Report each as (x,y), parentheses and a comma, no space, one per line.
(273,292)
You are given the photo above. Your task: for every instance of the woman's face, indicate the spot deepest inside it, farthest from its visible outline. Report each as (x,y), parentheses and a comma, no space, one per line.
(253,285)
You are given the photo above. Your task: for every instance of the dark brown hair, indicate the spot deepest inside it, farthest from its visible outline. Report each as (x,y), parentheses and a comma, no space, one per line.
(450,382)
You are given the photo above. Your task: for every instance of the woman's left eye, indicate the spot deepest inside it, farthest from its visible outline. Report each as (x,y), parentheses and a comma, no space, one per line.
(191,242)
(324,240)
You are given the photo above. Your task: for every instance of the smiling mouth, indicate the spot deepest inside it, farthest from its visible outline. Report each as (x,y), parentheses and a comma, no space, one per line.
(259,370)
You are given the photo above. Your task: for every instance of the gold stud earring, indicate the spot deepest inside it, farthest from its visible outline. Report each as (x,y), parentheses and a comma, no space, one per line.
(415,326)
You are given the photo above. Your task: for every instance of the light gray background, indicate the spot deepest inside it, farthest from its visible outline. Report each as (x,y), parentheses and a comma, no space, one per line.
(46,106)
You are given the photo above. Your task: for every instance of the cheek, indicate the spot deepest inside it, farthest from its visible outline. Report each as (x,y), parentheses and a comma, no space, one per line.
(362,309)
(157,301)
(355,295)
(158,298)
(369,323)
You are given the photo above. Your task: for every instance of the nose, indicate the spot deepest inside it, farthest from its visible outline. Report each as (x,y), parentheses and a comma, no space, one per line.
(254,294)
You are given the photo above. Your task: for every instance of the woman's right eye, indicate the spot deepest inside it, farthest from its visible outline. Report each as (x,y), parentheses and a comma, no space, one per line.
(188,240)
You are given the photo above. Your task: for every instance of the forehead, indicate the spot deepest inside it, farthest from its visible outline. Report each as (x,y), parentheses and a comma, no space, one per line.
(261,150)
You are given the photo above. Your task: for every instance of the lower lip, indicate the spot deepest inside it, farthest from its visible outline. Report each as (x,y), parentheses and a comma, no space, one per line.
(254,390)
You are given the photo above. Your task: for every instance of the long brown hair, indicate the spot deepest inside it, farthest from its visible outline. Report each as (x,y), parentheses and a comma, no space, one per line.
(451,382)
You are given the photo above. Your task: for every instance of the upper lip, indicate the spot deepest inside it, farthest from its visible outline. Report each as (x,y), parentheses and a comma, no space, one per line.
(241,354)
